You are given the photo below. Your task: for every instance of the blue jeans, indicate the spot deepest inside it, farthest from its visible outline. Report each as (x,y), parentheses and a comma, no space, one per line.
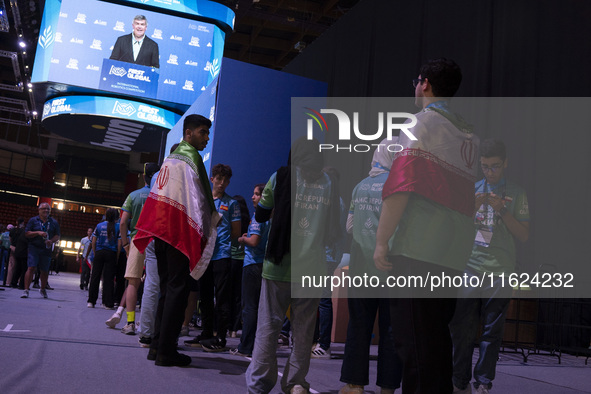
(251,292)
(151,293)
(355,369)
(470,312)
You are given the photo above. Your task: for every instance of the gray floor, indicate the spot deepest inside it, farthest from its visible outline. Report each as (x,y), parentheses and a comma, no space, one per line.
(60,346)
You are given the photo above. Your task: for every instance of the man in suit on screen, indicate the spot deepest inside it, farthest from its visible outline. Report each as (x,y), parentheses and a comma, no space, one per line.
(136,47)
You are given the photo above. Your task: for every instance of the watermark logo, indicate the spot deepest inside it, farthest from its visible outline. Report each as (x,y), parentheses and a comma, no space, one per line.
(387,121)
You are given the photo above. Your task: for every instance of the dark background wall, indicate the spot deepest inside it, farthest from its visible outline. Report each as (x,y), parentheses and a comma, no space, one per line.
(516,49)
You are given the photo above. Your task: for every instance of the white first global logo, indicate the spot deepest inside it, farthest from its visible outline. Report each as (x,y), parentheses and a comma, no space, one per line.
(118,71)
(126,109)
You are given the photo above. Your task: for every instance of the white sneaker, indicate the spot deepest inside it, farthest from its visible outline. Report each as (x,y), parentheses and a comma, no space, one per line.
(351,389)
(129,329)
(482,390)
(298,389)
(318,352)
(25,294)
(90,305)
(113,320)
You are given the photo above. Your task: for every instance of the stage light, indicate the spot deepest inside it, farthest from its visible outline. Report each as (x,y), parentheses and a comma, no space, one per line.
(22,44)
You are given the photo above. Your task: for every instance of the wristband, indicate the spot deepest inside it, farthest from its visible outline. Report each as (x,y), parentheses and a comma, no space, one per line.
(125,245)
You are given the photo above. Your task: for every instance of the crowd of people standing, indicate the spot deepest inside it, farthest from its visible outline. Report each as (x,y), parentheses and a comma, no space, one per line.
(190,248)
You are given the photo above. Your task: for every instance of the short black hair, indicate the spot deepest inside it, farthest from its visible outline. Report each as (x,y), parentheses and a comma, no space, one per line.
(493,148)
(260,186)
(193,121)
(444,75)
(221,169)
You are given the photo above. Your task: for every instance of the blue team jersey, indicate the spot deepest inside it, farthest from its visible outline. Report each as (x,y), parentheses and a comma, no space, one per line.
(257,254)
(102,240)
(230,211)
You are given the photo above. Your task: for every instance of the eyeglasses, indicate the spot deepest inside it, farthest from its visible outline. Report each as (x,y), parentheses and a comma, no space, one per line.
(416,81)
(494,168)
(45,209)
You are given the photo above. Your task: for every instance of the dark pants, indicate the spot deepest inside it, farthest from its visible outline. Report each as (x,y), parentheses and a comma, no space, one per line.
(421,334)
(216,280)
(120,276)
(173,269)
(323,328)
(251,293)
(20,269)
(355,369)
(84,275)
(235,298)
(103,264)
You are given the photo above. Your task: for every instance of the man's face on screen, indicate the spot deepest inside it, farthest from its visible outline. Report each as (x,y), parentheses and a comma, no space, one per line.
(139,28)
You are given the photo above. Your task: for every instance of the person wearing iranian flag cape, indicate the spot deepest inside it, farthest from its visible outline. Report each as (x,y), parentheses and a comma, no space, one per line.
(180,216)
(428,203)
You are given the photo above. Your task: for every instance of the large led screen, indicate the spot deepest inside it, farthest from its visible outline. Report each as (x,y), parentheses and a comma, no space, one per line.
(77,38)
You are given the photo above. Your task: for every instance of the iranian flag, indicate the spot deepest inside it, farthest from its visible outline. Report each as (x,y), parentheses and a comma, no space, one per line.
(179,210)
(440,165)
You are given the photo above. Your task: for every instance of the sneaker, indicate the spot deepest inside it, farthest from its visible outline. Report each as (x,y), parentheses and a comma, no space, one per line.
(184,331)
(482,389)
(90,305)
(299,389)
(319,352)
(129,329)
(235,352)
(213,345)
(36,286)
(47,287)
(25,294)
(108,307)
(351,389)
(113,320)
(43,293)
(196,342)
(467,390)
(145,341)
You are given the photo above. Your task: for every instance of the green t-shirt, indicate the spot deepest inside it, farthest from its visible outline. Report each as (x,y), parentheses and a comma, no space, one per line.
(433,233)
(134,204)
(309,215)
(499,256)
